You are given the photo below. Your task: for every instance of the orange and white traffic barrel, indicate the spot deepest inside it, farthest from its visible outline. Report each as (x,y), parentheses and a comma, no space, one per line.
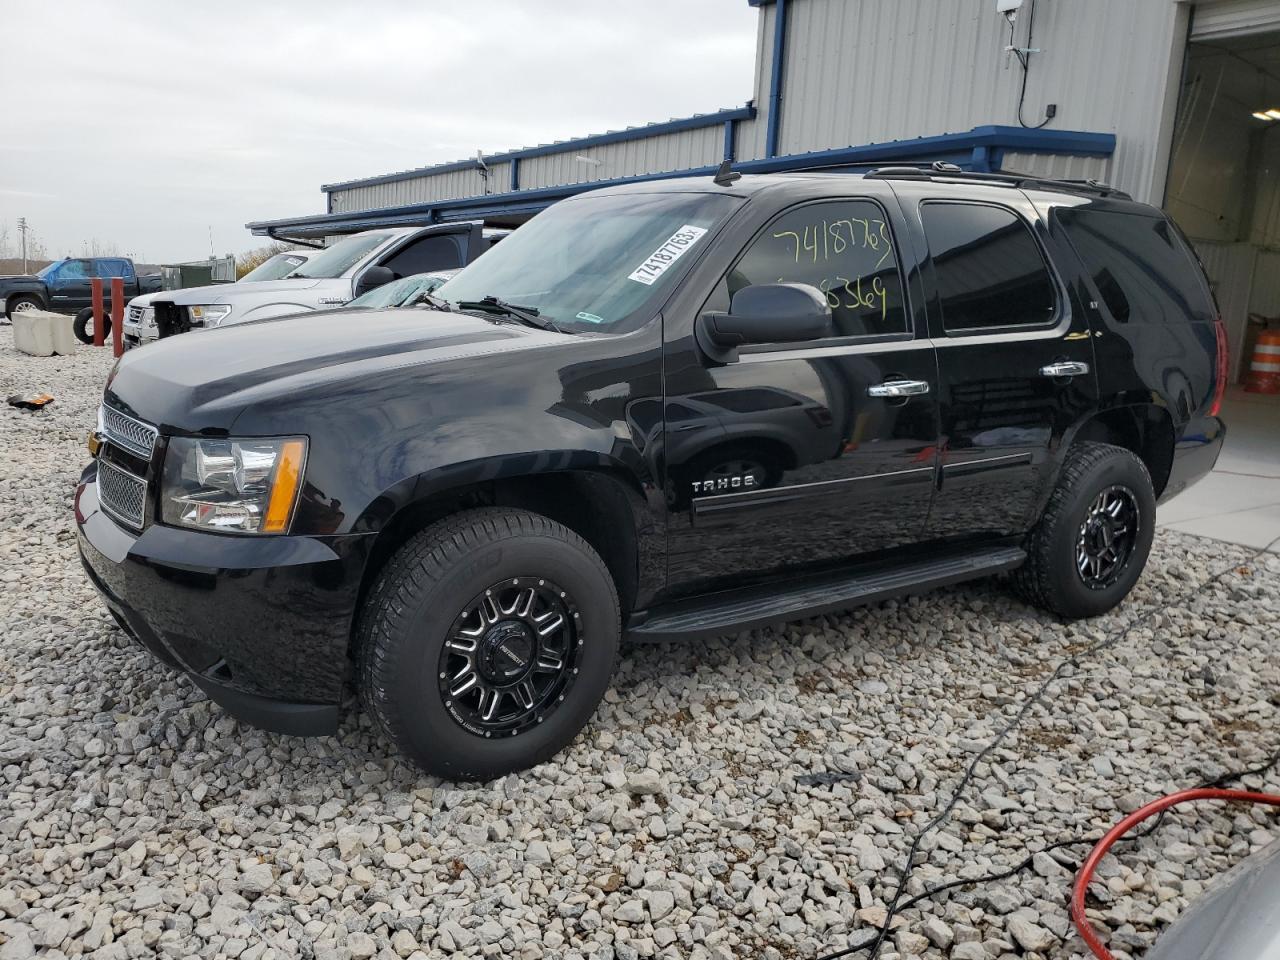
(1264,367)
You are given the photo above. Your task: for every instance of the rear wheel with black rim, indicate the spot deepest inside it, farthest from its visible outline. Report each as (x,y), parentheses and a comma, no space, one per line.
(487,642)
(1092,542)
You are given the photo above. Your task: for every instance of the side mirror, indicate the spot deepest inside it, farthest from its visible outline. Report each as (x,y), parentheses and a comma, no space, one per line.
(373,278)
(765,313)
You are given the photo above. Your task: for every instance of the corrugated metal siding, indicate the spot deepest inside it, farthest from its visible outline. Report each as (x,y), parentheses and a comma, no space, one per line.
(878,70)
(882,70)
(1206,190)
(441,186)
(661,154)
(751,133)
(1234,18)
(1266,285)
(1232,272)
(1266,211)
(1058,166)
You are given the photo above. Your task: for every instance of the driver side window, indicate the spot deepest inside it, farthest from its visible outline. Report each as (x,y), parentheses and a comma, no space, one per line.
(72,270)
(845,249)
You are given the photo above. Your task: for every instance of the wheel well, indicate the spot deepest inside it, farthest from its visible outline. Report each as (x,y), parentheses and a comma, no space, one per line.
(595,505)
(8,304)
(1145,430)
(784,456)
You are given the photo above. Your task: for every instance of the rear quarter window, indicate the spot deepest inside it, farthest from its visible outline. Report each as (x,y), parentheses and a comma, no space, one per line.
(1143,269)
(988,267)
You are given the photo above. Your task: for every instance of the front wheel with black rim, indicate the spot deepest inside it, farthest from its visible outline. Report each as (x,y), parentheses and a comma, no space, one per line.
(487,642)
(1092,542)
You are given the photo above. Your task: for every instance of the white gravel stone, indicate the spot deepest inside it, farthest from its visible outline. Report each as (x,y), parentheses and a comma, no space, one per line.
(680,824)
(1030,936)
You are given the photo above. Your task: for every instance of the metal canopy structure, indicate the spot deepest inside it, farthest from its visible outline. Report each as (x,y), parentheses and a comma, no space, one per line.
(981,149)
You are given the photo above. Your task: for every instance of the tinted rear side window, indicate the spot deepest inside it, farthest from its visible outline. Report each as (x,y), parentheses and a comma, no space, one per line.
(427,254)
(988,267)
(1142,268)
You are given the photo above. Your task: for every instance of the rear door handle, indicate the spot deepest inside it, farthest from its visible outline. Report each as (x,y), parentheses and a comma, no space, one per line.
(1065,368)
(899,388)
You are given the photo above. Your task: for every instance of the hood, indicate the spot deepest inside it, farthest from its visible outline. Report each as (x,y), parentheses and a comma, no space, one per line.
(17,276)
(199,382)
(257,289)
(229,292)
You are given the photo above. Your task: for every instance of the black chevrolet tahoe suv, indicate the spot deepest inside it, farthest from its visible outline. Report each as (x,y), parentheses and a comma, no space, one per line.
(666,410)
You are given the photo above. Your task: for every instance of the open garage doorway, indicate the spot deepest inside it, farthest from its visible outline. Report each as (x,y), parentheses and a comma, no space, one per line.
(1224,175)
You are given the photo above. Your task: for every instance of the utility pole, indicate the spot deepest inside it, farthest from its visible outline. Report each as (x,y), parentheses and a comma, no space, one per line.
(22,229)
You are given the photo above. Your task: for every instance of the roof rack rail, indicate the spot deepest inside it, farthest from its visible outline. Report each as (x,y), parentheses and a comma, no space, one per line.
(940,170)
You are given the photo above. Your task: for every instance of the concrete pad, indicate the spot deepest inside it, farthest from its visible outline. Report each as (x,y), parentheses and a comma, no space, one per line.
(1239,501)
(1256,528)
(1220,493)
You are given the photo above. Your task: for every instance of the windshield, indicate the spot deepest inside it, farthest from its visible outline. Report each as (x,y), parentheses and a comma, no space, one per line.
(273,268)
(48,269)
(341,257)
(398,292)
(595,263)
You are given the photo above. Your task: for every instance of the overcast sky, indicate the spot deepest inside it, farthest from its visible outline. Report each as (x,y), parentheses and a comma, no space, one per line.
(147,124)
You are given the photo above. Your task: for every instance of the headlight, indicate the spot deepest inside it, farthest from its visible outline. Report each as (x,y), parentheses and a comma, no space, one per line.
(209,315)
(234,486)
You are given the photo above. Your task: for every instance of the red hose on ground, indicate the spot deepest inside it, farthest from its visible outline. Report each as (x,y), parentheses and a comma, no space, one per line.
(1124,826)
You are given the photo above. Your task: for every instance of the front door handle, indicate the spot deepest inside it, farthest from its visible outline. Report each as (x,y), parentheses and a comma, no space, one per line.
(1065,368)
(899,388)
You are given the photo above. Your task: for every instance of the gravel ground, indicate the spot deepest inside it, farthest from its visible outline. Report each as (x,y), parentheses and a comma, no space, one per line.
(136,819)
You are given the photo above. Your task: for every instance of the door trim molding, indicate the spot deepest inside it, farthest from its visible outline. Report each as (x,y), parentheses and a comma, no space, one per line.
(968,467)
(704,506)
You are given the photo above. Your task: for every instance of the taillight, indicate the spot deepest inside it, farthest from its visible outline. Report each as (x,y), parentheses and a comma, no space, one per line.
(1221,367)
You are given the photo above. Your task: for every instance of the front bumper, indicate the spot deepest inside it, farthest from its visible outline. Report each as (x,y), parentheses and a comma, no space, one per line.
(261,624)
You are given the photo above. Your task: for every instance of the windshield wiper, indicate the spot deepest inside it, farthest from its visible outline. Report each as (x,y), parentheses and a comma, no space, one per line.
(430,300)
(526,315)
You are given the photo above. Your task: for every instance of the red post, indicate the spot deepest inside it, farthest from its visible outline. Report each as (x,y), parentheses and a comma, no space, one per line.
(95,285)
(117,316)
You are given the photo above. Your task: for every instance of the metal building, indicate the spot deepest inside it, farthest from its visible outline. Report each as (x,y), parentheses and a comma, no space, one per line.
(1166,99)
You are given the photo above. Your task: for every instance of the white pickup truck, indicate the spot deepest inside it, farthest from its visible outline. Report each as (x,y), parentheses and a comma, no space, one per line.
(332,277)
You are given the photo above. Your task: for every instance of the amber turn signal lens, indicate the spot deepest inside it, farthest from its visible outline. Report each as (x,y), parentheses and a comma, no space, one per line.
(284,491)
(94,443)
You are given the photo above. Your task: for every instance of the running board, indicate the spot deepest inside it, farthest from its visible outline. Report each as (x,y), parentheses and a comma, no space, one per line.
(738,610)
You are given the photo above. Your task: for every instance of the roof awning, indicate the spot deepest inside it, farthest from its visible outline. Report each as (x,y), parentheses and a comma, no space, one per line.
(980,149)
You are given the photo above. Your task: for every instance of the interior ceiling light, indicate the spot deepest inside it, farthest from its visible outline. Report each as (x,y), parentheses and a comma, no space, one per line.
(1262,115)
(1273,113)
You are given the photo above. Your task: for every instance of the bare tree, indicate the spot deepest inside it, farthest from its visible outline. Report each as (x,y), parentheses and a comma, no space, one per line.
(4,240)
(251,259)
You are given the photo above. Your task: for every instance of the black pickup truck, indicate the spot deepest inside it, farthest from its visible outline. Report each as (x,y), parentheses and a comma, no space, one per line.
(665,410)
(64,287)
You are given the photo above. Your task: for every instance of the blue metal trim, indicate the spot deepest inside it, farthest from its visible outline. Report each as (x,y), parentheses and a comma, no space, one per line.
(729,135)
(695,122)
(965,149)
(515,175)
(981,160)
(775,77)
(758,3)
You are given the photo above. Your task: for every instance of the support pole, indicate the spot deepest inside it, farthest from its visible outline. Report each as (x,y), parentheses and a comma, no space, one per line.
(117,316)
(95,285)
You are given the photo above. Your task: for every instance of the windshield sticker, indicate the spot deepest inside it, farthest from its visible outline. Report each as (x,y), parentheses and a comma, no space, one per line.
(657,263)
(588,317)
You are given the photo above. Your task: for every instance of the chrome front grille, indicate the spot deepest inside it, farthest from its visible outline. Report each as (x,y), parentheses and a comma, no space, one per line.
(121,494)
(127,433)
(135,314)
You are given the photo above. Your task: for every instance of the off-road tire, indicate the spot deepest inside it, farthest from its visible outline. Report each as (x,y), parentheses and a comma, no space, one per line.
(16,304)
(80,325)
(409,614)
(1050,579)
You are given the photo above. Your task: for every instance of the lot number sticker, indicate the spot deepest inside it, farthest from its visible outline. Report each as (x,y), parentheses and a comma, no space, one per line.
(657,263)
